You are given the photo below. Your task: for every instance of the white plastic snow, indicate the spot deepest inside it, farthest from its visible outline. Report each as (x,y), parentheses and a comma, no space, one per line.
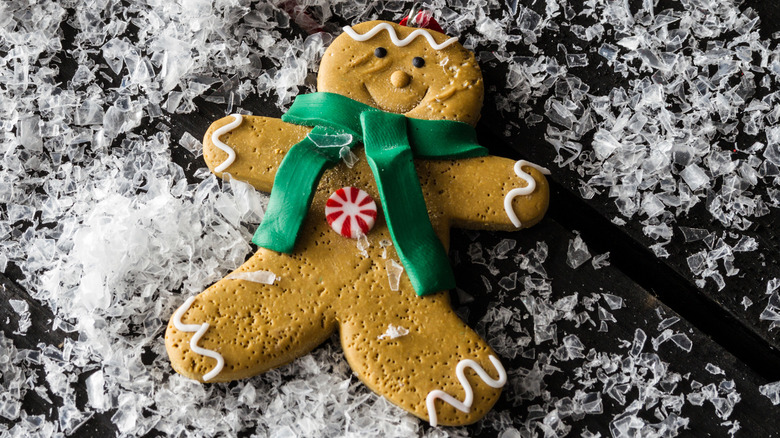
(110,235)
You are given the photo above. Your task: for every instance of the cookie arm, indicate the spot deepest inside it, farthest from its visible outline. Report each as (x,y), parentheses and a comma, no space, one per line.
(258,145)
(488,192)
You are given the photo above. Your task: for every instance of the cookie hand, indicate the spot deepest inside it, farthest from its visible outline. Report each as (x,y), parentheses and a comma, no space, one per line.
(521,169)
(486,193)
(249,148)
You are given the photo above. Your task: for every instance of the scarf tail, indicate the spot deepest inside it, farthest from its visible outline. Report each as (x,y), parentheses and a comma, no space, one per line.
(419,248)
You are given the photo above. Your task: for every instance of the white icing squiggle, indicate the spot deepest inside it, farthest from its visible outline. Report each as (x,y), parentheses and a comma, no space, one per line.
(218,143)
(529,188)
(199,330)
(460,371)
(394,36)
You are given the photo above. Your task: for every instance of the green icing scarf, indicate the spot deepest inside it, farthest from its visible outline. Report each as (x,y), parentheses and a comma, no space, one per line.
(391,142)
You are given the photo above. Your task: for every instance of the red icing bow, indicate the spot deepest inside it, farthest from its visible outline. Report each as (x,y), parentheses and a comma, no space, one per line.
(423,19)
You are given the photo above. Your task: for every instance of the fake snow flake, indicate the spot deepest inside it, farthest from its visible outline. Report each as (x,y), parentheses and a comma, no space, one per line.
(262,277)
(772,310)
(639,342)
(577,60)
(600,261)
(509,282)
(394,271)
(694,234)
(96,392)
(713,369)
(771,391)
(193,145)
(604,315)
(668,322)
(682,341)
(772,286)
(695,177)
(363,244)
(613,301)
(577,253)
(393,332)
(14,380)
(665,335)
(23,310)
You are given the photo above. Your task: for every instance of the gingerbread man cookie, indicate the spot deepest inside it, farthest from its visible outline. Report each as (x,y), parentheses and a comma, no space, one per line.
(359,246)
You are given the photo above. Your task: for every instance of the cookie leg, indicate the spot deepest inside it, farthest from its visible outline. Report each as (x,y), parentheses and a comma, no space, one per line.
(429,362)
(242,326)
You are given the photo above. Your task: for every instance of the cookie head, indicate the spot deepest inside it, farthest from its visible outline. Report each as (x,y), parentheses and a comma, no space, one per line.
(417,72)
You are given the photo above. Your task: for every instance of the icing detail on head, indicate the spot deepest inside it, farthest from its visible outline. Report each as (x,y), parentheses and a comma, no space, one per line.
(529,188)
(199,330)
(218,143)
(460,371)
(394,36)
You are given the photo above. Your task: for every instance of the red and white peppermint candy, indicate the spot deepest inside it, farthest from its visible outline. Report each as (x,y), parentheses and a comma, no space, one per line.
(350,212)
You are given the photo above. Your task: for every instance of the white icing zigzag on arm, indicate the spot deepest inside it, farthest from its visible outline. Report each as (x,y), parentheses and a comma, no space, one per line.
(199,330)
(521,191)
(218,143)
(460,371)
(394,36)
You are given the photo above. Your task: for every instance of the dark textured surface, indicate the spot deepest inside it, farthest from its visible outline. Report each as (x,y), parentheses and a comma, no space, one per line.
(722,331)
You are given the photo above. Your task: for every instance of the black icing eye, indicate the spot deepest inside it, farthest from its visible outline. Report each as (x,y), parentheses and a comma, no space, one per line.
(418,62)
(380,52)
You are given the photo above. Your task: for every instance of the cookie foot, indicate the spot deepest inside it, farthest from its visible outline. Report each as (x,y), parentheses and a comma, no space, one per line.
(242,326)
(429,355)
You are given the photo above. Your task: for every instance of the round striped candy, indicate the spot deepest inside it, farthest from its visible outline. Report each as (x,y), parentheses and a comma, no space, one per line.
(351,212)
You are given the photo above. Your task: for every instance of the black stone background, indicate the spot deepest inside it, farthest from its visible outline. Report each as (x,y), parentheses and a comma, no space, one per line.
(723,333)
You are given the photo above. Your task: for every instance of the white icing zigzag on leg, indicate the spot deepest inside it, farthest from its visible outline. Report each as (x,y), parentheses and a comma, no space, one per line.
(199,330)
(521,191)
(460,371)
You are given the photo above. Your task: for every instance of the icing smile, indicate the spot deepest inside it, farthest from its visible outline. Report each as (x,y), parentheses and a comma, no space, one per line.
(400,101)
